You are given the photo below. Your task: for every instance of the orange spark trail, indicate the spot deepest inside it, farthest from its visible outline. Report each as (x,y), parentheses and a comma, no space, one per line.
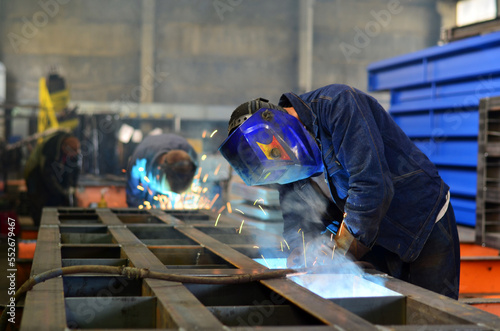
(217,169)
(213,201)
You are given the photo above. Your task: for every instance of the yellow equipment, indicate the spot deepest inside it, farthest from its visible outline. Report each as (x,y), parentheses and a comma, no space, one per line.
(53,106)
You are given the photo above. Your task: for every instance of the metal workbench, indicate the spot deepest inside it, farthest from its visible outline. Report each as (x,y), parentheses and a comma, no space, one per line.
(189,243)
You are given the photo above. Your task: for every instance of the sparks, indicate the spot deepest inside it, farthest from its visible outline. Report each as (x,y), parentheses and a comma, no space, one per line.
(205,178)
(331,237)
(304,244)
(141,206)
(239,211)
(241,226)
(198,174)
(333,251)
(221,209)
(265,261)
(255,246)
(215,131)
(204,134)
(286,244)
(204,157)
(124,171)
(281,243)
(146,179)
(217,220)
(141,169)
(204,190)
(213,201)
(140,188)
(217,169)
(262,210)
(299,230)
(259,199)
(229,209)
(155,198)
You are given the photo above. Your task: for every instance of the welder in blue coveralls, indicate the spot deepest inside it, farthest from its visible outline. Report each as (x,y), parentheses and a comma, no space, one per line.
(345,170)
(160,164)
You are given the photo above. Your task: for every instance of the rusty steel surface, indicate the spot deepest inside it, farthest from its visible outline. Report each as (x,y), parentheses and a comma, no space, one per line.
(189,243)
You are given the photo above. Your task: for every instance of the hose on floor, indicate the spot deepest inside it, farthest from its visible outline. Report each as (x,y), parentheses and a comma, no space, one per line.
(139,273)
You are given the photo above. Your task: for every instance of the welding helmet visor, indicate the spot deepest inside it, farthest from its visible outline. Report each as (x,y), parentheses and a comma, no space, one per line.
(272,147)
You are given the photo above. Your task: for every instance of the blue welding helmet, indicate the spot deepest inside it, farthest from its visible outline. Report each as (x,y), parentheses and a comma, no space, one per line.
(272,146)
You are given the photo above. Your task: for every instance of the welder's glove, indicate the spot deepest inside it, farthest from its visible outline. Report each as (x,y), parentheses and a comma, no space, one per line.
(346,243)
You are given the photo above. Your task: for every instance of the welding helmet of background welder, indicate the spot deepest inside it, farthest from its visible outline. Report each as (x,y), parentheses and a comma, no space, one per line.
(267,145)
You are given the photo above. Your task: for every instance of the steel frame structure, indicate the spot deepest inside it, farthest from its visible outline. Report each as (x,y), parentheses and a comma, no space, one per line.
(189,243)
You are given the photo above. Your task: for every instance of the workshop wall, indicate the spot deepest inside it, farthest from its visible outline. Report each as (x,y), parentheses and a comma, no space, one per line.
(349,36)
(206,52)
(95,44)
(2,32)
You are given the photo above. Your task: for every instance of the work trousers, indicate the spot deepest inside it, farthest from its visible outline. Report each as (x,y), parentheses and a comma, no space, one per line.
(437,268)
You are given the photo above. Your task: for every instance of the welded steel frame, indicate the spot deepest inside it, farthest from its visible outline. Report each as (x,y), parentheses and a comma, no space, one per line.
(116,235)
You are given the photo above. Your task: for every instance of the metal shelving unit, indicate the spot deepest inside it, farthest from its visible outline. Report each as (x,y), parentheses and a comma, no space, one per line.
(488,174)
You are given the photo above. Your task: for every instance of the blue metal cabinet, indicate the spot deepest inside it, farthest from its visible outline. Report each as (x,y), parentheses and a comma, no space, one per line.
(435,96)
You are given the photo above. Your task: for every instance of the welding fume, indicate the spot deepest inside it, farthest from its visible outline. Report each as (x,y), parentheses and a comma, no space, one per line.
(350,182)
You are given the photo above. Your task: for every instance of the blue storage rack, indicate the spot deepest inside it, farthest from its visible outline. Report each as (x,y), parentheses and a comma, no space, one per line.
(435,96)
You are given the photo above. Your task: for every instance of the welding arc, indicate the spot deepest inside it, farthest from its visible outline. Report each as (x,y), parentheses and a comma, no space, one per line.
(136,273)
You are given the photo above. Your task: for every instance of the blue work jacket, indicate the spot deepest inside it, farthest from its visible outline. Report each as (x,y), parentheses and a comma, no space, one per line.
(389,191)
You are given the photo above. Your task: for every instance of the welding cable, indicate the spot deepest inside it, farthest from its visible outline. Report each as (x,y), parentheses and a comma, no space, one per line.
(137,273)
